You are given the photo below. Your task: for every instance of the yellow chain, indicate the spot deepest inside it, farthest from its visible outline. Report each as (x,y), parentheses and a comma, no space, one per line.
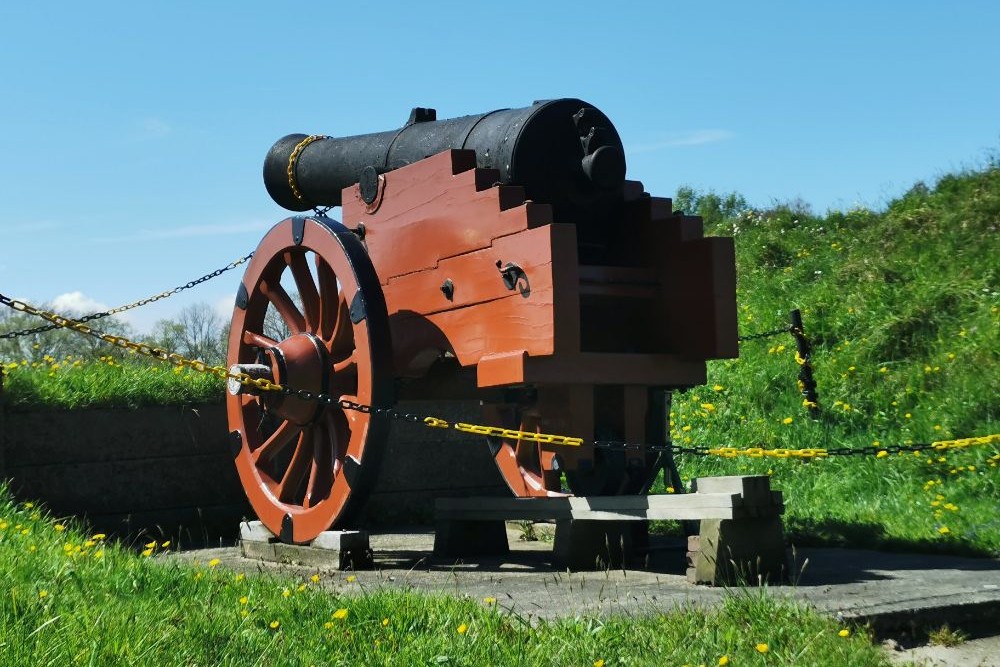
(143,348)
(265,384)
(966,442)
(758,452)
(293,161)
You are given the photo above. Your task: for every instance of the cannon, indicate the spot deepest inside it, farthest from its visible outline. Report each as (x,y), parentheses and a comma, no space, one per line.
(502,257)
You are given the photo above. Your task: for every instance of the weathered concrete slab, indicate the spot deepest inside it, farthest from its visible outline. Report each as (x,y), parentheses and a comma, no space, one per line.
(894,592)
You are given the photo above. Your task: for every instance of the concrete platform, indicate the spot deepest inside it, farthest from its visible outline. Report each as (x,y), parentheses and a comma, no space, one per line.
(898,594)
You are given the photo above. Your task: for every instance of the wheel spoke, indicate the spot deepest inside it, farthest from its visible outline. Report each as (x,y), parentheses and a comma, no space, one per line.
(347,364)
(321,472)
(329,299)
(342,337)
(283,303)
(276,443)
(288,487)
(296,261)
(340,435)
(258,340)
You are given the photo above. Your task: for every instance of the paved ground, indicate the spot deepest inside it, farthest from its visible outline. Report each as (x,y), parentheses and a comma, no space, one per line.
(899,594)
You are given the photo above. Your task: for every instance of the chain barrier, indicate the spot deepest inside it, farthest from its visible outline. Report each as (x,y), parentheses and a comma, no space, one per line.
(134,304)
(765,334)
(805,381)
(264,384)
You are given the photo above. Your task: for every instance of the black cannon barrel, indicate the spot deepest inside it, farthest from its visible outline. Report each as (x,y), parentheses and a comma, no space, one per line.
(564,152)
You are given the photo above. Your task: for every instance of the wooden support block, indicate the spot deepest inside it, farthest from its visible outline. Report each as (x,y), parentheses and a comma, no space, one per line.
(458,538)
(331,550)
(591,545)
(740,552)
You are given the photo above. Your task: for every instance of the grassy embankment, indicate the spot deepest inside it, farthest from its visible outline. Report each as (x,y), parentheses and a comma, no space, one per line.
(903,309)
(72,598)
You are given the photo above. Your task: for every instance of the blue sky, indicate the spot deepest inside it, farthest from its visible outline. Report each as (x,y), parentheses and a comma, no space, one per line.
(132,134)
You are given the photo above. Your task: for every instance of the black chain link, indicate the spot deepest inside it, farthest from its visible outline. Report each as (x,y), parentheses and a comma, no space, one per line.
(137,304)
(765,334)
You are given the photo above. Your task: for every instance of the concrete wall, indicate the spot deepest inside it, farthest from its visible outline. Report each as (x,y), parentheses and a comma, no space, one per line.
(167,470)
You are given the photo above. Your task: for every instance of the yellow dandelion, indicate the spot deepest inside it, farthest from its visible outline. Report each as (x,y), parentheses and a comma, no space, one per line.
(351,579)
(787,420)
(944,530)
(59,527)
(98,537)
(147,553)
(99,554)
(214,562)
(708,407)
(462,629)
(240,576)
(301,588)
(42,595)
(328,625)
(717,387)
(244,600)
(385,622)
(882,454)
(844,633)
(150,545)
(274,625)
(670,489)
(314,578)
(489,600)
(28,506)
(761,648)
(286,593)
(340,614)
(724,660)
(599,663)
(165,544)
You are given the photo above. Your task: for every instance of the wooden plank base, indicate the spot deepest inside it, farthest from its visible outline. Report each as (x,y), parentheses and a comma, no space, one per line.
(741,538)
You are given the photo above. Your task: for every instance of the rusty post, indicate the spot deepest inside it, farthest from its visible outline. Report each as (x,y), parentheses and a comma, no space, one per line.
(806,382)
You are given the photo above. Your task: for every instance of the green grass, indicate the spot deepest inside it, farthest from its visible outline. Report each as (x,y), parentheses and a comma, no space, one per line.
(70,382)
(903,309)
(68,598)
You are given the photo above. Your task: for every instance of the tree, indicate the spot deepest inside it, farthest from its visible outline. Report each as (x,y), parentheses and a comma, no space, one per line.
(197,333)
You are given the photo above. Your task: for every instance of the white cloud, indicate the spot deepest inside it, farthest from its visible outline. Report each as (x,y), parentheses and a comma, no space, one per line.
(154,127)
(190,231)
(694,138)
(32,227)
(77,303)
(194,231)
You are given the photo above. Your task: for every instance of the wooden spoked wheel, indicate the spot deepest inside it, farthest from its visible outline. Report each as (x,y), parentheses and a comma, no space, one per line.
(306,465)
(529,469)
(534,470)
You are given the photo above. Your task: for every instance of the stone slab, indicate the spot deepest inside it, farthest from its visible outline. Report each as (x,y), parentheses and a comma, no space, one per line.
(331,550)
(606,508)
(895,592)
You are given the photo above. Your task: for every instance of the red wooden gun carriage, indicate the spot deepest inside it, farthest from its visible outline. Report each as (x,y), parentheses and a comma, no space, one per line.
(501,256)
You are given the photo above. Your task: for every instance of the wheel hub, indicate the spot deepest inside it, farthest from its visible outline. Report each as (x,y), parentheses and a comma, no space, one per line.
(298,362)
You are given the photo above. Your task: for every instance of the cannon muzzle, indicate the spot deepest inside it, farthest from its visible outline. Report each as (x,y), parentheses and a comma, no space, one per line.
(563,152)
